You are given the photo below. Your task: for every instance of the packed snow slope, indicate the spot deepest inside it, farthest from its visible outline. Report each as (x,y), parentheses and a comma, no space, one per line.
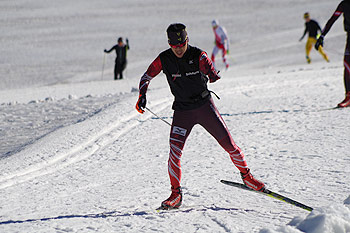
(75,155)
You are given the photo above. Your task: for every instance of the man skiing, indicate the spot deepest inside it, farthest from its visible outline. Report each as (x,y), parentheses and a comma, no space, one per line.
(312,27)
(120,61)
(186,68)
(343,7)
(221,42)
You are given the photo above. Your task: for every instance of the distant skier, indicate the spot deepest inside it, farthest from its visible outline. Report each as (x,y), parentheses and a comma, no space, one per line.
(221,42)
(120,61)
(343,7)
(186,68)
(312,27)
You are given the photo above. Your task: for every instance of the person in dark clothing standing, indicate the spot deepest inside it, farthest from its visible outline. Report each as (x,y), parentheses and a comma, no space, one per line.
(186,69)
(120,61)
(343,8)
(312,27)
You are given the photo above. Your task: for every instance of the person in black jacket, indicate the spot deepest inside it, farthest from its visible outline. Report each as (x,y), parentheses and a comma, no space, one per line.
(120,61)
(312,27)
(186,69)
(343,8)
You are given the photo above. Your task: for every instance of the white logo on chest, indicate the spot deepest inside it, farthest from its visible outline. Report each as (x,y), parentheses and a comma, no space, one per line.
(192,73)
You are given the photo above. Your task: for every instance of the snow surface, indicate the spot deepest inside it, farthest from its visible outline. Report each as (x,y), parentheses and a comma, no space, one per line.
(75,156)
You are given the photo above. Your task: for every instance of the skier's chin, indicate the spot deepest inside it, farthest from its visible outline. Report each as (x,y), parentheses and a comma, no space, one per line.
(179,54)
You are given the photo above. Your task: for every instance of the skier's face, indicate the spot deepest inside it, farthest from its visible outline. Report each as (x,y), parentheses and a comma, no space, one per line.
(179,51)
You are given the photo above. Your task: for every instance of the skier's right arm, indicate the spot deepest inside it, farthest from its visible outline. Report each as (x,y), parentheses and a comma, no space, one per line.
(108,51)
(305,31)
(152,71)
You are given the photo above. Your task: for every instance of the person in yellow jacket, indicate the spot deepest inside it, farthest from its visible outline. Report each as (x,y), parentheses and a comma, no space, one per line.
(312,27)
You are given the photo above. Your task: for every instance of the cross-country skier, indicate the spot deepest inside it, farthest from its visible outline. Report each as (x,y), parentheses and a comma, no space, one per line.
(312,27)
(120,61)
(221,42)
(186,68)
(343,7)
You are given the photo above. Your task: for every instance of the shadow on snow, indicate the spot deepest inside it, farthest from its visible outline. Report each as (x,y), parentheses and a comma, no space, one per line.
(128,214)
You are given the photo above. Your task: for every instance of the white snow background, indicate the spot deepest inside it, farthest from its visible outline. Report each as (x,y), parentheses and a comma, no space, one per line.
(75,155)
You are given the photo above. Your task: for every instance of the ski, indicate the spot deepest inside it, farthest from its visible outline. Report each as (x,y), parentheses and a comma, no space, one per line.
(270,194)
(184,208)
(327,109)
(163,207)
(160,208)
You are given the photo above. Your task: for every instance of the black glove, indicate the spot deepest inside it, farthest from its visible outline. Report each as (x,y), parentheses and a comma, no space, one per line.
(215,78)
(319,42)
(141,103)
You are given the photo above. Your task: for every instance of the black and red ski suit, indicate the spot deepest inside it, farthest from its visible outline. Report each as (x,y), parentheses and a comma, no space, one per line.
(193,105)
(343,8)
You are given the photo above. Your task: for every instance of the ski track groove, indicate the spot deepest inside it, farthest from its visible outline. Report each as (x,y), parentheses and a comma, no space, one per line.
(82,151)
(220,224)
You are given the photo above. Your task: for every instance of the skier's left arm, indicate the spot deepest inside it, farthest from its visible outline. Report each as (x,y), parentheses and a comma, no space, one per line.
(333,18)
(225,40)
(127,44)
(318,27)
(207,68)
(227,45)
(329,24)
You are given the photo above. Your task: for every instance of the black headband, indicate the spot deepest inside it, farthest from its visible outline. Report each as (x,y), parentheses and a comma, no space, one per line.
(176,33)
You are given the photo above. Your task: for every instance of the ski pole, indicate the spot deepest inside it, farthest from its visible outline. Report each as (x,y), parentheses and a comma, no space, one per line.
(103,65)
(157,116)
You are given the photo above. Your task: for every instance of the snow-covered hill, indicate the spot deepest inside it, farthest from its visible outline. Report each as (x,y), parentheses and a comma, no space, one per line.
(75,156)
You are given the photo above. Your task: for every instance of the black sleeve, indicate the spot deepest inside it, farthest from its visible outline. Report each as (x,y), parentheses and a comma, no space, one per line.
(304,32)
(333,18)
(113,48)
(127,44)
(318,27)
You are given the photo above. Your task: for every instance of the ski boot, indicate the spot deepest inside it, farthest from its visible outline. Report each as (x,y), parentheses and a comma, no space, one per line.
(346,101)
(251,182)
(175,199)
(308,59)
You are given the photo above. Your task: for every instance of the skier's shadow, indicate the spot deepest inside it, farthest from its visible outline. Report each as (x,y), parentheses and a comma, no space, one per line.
(259,112)
(281,111)
(99,215)
(266,112)
(124,214)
